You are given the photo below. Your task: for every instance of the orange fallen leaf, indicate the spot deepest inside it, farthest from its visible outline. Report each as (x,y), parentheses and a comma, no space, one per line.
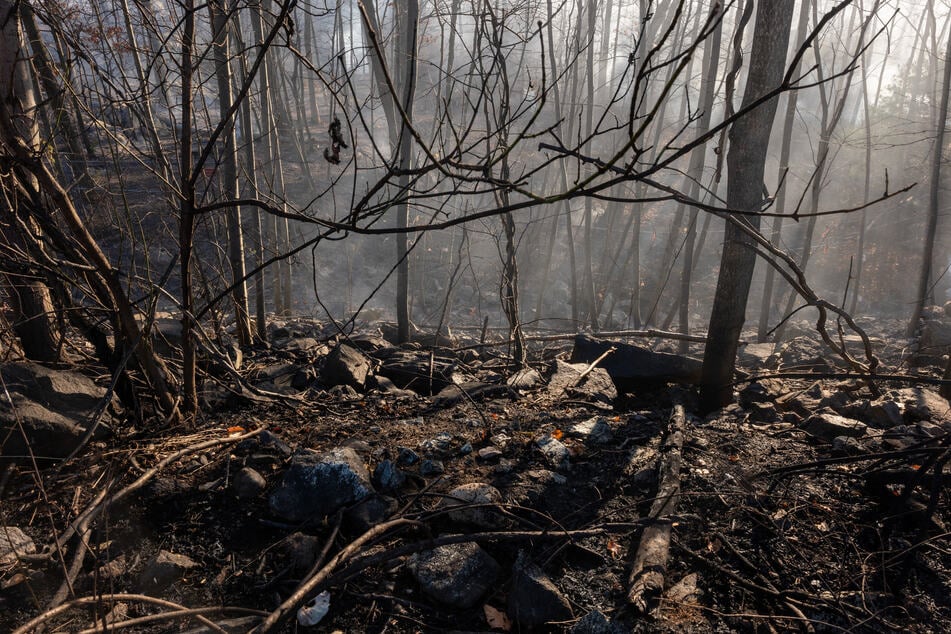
(557,434)
(237,429)
(614,548)
(496,619)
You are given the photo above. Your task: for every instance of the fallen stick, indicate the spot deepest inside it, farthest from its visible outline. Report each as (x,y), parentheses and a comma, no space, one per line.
(650,562)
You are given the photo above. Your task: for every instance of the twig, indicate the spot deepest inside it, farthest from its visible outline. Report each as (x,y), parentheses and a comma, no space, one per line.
(591,366)
(32,624)
(169,616)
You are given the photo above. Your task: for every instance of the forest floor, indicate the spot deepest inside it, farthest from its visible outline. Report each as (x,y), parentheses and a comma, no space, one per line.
(788,519)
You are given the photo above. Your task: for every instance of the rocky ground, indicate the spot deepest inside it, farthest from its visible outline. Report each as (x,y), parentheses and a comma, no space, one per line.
(365,487)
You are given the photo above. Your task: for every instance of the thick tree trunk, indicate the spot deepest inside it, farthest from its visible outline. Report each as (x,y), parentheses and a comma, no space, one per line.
(746,159)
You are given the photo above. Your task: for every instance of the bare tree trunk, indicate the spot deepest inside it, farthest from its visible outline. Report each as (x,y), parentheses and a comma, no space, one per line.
(927,253)
(746,160)
(228,178)
(251,169)
(792,98)
(32,307)
(829,122)
(281,290)
(186,221)
(407,75)
(711,59)
(63,130)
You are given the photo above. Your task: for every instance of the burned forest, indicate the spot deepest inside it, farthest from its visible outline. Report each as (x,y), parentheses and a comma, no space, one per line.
(538,316)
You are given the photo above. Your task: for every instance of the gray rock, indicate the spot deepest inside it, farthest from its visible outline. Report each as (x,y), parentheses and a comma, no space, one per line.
(431,467)
(847,446)
(301,550)
(885,413)
(248,483)
(922,404)
(597,386)
(882,413)
(163,570)
(345,365)
(407,457)
(278,377)
(755,356)
(595,622)
(935,338)
(54,406)
(803,353)
(389,388)
(555,452)
(465,391)
(755,392)
(13,543)
(524,379)
(319,484)
(369,512)
(387,477)
(595,431)
(457,575)
(489,454)
(477,493)
(827,426)
(764,413)
(534,599)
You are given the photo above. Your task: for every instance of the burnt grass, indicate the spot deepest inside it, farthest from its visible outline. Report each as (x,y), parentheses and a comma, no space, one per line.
(776,530)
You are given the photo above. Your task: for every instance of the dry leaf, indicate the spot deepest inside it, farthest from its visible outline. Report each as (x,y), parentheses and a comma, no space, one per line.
(237,429)
(614,548)
(557,434)
(496,619)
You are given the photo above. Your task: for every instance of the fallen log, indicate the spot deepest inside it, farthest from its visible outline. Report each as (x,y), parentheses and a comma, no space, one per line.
(648,573)
(630,365)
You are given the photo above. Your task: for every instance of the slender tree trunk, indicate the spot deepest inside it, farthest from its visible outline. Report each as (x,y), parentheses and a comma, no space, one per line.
(186,227)
(32,307)
(828,126)
(792,98)
(589,299)
(408,85)
(228,173)
(711,59)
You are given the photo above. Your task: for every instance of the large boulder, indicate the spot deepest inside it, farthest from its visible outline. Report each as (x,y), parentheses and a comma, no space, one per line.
(566,380)
(54,408)
(345,365)
(319,484)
